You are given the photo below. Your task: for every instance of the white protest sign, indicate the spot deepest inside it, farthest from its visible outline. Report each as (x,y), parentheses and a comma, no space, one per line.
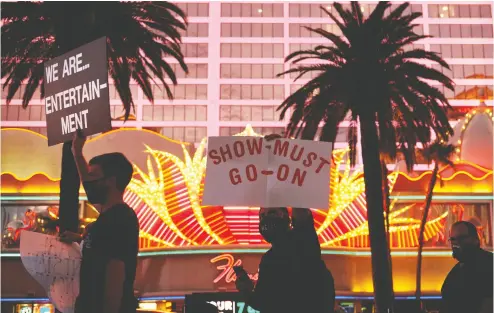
(77,93)
(53,264)
(250,171)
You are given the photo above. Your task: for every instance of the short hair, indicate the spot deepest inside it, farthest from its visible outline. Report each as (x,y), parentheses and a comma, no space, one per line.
(115,165)
(471,229)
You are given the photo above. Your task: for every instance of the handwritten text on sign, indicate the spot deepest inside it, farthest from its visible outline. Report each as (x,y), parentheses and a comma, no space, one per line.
(250,171)
(76,92)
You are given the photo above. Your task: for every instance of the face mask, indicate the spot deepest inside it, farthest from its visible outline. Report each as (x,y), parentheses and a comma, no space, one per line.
(96,192)
(464,253)
(274,228)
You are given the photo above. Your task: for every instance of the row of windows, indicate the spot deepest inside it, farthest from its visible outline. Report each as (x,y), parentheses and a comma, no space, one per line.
(459,10)
(461,31)
(300,31)
(174,113)
(194,9)
(463,92)
(252,30)
(461,71)
(311,46)
(196,70)
(249,113)
(195,30)
(230,131)
(184,133)
(195,50)
(252,92)
(464,51)
(252,9)
(236,70)
(252,50)
(314,10)
(182,92)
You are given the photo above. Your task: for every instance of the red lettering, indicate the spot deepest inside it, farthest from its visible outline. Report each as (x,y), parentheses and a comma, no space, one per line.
(251,172)
(254,146)
(294,150)
(213,154)
(235,178)
(279,149)
(239,149)
(226,270)
(226,152)
(299,177)
(283,171)
(323,161)
(312,156)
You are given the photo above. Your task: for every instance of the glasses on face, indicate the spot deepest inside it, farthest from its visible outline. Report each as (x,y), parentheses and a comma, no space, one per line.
(458,238)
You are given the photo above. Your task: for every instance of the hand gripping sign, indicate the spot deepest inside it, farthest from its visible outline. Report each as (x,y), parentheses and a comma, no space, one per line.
(250,171)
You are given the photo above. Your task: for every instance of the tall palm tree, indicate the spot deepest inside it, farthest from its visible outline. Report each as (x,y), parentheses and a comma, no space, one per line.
(367,72)
(139,36)
(441,154)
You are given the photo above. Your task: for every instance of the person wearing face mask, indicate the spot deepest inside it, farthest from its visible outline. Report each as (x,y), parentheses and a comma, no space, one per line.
(292,275)
(109,249)
(468,286)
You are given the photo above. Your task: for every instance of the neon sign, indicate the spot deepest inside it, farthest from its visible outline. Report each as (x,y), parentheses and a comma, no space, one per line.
(226,269)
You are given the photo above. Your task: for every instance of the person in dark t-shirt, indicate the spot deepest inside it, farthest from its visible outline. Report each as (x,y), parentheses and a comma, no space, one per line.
(468,286)
(292,275)
(110,247)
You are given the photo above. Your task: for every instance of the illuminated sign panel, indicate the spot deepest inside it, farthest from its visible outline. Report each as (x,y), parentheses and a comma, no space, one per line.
(226,302)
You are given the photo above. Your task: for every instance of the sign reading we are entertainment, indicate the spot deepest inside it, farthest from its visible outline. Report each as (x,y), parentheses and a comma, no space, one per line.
(76,93)
(250,171)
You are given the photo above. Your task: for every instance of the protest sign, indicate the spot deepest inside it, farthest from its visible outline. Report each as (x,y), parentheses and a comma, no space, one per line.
(54,265)
(77,93)
(250,171)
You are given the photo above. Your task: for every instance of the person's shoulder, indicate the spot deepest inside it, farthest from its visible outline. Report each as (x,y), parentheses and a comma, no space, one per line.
(486,259)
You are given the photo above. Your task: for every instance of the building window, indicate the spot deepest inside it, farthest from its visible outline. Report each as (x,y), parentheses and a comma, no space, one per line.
(174,113)
(252,30)
(252,50)
(196,70)
(460,10)
(194,9)
(252,9)
(299,30)
(195,50)
(464,51)
(237,70)
(467,71)
(115,96)
(252,92)
(461,31)
(230,131)
(468,92)
(185,134)
(33,112)
(195,30)
(249,113)
(182,92)
(314,10)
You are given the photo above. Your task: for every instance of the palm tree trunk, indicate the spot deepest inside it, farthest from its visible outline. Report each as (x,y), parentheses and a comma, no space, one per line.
(69,191)
(381,269)
(428,201)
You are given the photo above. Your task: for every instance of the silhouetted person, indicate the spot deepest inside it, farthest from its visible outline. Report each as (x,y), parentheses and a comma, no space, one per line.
(468,286)
(201,307)
(292,275)
(109,250)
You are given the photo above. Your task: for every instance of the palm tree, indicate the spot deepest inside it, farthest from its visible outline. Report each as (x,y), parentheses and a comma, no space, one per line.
(367,72)
(441,154)
(139,35)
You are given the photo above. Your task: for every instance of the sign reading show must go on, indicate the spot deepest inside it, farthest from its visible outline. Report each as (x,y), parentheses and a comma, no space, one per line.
(77,93)
(250,171)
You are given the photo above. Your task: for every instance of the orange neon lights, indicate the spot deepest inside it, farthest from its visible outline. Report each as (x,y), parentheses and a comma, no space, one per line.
(226,269)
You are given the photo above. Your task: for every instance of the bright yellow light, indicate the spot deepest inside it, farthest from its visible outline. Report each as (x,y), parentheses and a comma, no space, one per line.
(445,8)
(259,11)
